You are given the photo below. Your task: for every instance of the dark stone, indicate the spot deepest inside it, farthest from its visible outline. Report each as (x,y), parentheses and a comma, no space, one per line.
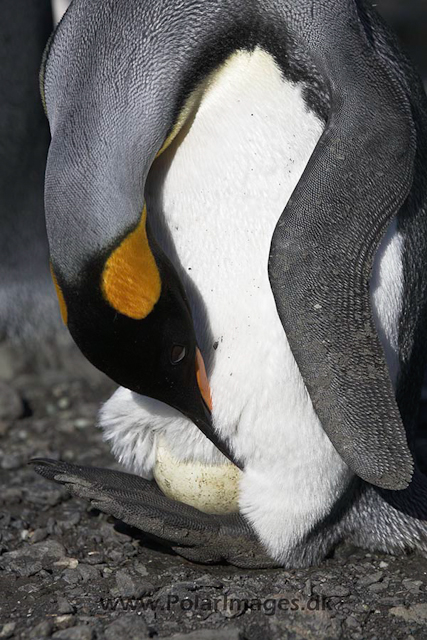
(369,579)
(63,606)
(24,566)
(75,633)
(38,535)
(41,630)
(129,627)
(332,590)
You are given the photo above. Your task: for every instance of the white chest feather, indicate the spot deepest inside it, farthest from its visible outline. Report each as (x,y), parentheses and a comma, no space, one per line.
(214,199)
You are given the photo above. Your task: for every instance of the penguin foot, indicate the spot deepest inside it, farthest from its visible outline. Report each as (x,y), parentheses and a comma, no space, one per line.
(195,535)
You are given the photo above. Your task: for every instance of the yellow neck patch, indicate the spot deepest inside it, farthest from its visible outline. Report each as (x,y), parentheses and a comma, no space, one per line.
(131,281)
(186,116)
(61,300)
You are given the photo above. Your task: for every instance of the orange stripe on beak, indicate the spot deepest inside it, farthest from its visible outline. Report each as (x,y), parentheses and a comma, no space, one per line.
(202,380)
(61,299)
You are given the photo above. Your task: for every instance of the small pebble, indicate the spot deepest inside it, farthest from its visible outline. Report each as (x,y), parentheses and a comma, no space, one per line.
(330,590)
(41,630)
(8,630)
(72,576)
(38,535)
(10,462)
(64,621)
(69,563)
(412,585)
(81,632)
(63,606)
(11,495)
(131,627)
(83,423)
(95,557)
(370,579)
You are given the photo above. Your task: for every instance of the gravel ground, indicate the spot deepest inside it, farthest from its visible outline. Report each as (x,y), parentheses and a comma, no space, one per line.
(68,571)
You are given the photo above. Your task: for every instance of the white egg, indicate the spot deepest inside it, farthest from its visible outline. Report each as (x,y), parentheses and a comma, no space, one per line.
(210,488)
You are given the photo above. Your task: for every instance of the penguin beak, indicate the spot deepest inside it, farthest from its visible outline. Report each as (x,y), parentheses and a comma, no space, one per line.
(203,417)
(202,380)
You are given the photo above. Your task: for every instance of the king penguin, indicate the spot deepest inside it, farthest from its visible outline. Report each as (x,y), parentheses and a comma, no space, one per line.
(236,211)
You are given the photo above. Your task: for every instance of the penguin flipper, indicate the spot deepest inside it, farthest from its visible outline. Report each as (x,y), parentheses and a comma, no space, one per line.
(324,245)
(197,536)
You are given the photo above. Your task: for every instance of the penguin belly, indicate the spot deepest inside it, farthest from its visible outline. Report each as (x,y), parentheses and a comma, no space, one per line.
(214,198)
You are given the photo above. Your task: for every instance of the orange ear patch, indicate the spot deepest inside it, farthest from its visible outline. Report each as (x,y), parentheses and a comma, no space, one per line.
(61,299)
(131,281)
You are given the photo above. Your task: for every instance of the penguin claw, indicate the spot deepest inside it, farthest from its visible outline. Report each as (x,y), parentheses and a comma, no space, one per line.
(195,535)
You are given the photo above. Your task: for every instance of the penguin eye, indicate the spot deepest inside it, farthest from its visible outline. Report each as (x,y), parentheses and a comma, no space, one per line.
(178,353)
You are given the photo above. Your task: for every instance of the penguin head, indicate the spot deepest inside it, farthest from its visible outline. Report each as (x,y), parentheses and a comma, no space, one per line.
(128,313)
(122,105)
